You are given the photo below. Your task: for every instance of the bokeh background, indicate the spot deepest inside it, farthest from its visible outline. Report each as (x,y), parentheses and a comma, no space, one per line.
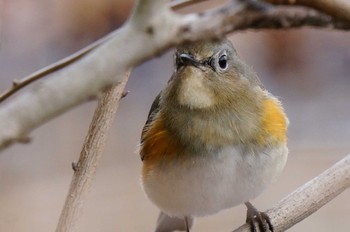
(308,69)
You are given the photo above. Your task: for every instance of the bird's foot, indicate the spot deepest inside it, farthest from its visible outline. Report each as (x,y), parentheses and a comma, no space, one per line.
(262,218)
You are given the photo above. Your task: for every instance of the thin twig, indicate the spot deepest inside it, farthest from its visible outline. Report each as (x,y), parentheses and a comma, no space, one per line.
(308,198)
(19,84)
(85,168)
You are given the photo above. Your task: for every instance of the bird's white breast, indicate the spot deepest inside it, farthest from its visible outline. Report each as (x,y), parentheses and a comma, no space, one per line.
(205,184)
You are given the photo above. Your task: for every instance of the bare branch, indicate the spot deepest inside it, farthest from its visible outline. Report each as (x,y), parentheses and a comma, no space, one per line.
(85,169)
(309,198)
(287,18)
(267,17)
(151,30)
(339,9)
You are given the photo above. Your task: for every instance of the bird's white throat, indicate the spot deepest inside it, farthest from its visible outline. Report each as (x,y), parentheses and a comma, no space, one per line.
(192,91)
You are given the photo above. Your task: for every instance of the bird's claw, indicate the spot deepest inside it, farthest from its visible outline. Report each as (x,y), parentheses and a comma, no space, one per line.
(261,218)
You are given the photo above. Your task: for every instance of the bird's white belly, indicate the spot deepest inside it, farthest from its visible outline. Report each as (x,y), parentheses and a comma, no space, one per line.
(204,185)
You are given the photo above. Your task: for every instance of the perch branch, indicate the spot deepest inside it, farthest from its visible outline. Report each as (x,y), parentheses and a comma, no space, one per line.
(309,198)
(151,29)
(85,169)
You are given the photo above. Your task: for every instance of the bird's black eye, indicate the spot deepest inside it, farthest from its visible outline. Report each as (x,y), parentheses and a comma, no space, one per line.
(223,62)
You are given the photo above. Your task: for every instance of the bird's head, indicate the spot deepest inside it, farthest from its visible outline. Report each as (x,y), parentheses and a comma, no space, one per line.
(209,74)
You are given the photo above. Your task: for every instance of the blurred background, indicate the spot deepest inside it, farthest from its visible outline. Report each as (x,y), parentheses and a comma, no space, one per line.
(308,69)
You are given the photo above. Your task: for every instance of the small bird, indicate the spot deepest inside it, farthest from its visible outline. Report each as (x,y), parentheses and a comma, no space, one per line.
(214,137)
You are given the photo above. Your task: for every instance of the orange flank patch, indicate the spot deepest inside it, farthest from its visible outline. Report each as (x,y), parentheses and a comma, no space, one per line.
(274,123)
(158,145)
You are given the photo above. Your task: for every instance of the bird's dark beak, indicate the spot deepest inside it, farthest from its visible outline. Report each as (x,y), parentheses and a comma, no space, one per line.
(186,59)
